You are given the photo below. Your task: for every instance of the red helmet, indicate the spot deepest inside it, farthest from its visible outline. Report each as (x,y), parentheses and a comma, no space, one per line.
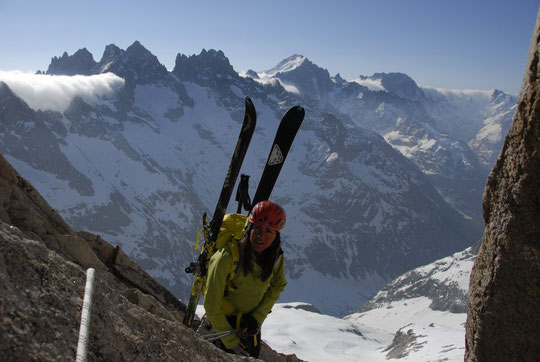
(268,214)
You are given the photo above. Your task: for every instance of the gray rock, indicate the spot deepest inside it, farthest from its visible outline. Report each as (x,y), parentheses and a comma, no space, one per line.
(41,297)
(306,307)
(81,62)
(504,291)
(403,344)
(42,280)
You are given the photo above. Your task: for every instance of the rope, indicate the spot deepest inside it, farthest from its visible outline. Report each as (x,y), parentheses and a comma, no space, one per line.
(82,346)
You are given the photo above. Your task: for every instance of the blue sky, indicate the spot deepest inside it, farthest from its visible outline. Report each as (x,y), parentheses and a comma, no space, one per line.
(474,44)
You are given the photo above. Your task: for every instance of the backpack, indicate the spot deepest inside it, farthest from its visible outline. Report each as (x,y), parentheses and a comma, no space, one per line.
(231,231)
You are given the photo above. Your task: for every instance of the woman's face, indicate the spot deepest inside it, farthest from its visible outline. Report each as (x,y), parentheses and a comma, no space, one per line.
(261,238)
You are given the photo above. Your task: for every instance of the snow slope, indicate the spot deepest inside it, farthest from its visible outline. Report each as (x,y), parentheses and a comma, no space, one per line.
(420,316)
(408,331)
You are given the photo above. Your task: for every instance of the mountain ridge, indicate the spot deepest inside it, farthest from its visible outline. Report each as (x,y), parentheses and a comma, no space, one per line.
(158,160)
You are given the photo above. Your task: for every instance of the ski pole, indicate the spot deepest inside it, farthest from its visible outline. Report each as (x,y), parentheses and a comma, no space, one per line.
(242,194)
(85,316)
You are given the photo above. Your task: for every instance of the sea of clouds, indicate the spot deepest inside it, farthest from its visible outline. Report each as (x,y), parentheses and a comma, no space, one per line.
(55,92)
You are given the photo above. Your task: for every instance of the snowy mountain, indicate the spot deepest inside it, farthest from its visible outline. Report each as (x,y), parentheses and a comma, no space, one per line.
(136,154)
(453,136)
(419,316)
(300,76)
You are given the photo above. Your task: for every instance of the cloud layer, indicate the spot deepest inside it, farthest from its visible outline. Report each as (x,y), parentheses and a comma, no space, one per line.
(55,92)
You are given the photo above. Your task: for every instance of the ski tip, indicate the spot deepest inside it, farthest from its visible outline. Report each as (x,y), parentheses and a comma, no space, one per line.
(250,108)
(298,111)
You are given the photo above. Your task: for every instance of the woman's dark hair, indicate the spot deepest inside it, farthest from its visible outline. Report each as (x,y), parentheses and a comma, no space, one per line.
(267,259)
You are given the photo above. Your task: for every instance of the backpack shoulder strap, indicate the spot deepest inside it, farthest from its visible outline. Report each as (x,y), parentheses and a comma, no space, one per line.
(232,230)
(235,252)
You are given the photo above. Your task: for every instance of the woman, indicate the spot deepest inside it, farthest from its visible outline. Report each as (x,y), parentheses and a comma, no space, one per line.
(246,300)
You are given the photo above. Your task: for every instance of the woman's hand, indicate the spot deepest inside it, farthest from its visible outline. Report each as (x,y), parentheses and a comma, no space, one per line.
(250,324)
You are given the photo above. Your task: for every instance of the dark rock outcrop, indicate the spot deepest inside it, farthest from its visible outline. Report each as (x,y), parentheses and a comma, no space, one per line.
(42,279)
(81,62)
(205,67)
(504,294)
(136,64)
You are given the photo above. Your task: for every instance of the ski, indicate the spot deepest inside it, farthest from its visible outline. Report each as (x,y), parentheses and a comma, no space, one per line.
(199,268)
(288,127)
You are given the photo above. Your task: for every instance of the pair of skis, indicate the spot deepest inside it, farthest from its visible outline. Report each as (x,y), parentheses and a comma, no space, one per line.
(288,127)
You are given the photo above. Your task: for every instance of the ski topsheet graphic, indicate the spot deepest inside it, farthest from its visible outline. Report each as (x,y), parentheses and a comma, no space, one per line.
(276,156)
(288,127)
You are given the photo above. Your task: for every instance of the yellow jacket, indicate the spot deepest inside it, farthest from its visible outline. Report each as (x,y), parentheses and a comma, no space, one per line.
(251,294)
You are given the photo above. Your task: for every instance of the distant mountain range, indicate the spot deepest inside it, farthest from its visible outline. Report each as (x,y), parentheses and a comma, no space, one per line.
(384,175)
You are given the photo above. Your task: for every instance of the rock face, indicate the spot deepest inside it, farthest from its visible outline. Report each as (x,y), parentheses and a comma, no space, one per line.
(42,279)
(81,62)
(504,293)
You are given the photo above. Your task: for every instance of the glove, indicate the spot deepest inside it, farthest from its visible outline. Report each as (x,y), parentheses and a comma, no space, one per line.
(250,324)
(242,349)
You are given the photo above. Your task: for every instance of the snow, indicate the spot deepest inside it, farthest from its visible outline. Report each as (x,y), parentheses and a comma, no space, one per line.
(237,91)
(156,100)
(286,65)
(492,131)
(60,89)
(452,269)
(316,337)
(291,329)
(289,87)
(332,157)
(371,84)
(265,78)
(441,334)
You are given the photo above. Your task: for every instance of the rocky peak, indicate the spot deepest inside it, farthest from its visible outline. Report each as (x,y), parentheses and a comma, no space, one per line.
(288,64)
(81,62)
(496,94)
(400,84)
(310,79)
(252,74)
(339,80)
(136,64)
(204,67)
(498,97)
(111,55)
